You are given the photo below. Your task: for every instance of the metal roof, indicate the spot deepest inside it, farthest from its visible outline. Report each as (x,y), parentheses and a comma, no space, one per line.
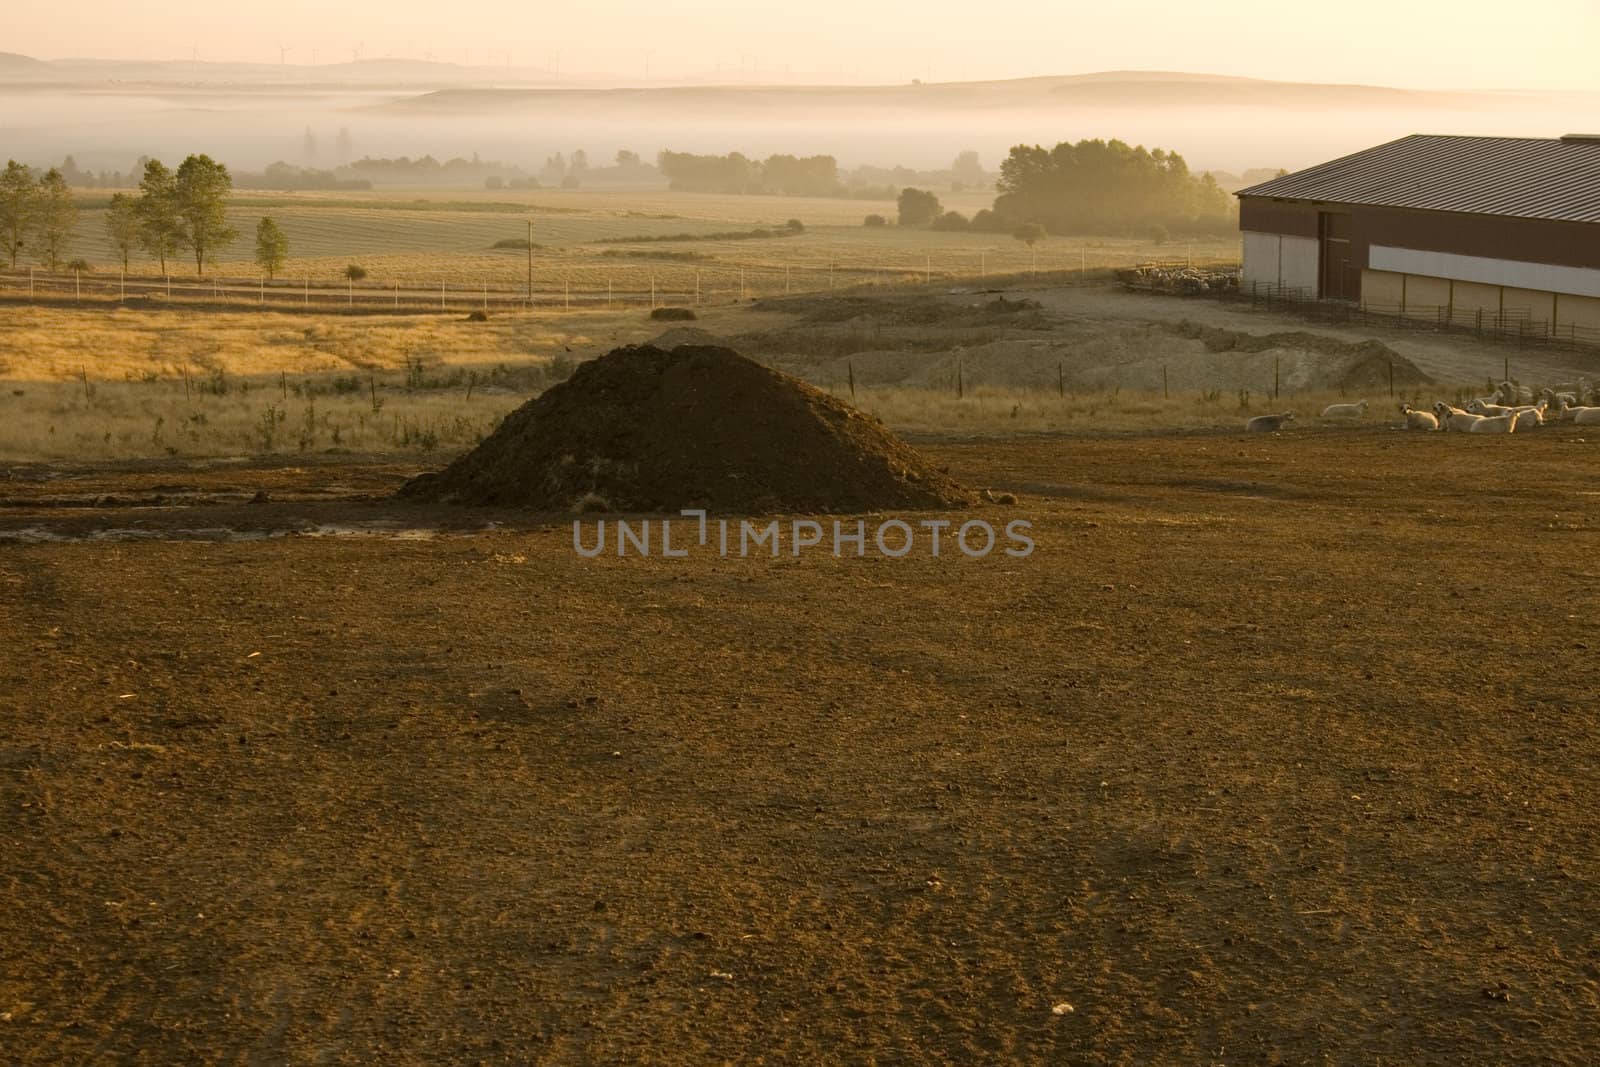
(1524,177)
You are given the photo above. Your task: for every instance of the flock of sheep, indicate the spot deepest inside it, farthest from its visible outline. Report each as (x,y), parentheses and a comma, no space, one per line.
(1509,408)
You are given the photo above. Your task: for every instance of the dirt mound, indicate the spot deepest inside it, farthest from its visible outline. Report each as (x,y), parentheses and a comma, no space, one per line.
(641,429)
(1354,364)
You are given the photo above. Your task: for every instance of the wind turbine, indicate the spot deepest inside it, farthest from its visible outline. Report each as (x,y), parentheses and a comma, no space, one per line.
(283,50)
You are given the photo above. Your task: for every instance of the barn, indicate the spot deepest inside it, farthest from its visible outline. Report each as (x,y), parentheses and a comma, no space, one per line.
(1501,230)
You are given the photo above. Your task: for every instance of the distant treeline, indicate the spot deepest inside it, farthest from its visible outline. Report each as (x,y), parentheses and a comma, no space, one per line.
(786,175)
(1107,187)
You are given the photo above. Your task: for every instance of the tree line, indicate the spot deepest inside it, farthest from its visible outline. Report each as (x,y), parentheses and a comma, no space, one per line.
(174,211)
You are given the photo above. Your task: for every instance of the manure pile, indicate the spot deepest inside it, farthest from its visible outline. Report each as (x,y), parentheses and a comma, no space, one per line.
(645,430)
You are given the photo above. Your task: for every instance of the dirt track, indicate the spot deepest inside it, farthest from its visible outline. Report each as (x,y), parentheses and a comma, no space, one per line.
(1279,750)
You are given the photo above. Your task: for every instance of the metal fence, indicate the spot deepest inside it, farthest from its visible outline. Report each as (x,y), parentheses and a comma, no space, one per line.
(1514,326)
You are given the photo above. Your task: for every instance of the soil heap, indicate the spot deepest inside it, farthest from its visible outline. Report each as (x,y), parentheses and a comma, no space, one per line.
(641,429)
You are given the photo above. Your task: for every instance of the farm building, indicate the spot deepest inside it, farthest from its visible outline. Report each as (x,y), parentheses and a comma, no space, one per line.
(1487,230)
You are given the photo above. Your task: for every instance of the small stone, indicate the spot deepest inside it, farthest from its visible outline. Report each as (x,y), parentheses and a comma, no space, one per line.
(1062,1009)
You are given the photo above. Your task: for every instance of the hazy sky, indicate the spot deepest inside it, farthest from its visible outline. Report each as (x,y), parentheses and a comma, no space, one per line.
(1424,43)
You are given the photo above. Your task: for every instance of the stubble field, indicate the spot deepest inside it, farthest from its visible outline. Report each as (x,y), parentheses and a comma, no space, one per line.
(1277,750)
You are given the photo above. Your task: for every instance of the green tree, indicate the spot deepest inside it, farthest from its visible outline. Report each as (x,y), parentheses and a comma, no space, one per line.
(1029,233)
(19,209)
(122,225)
(917,206)
(160,228)
(57,216)
(202,186)
(272,247)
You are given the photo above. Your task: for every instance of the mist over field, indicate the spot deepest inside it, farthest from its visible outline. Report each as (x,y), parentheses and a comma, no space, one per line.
(249,117)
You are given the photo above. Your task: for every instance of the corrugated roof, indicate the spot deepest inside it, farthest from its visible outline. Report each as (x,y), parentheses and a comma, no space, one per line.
(1525,177)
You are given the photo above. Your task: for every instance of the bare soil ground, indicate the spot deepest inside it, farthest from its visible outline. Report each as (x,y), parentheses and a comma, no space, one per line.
(1278,750)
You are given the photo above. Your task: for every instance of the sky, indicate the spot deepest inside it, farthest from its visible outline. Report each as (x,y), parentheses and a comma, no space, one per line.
(1536,44)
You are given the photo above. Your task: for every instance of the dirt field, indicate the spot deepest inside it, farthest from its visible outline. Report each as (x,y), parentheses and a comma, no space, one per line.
(1277,750)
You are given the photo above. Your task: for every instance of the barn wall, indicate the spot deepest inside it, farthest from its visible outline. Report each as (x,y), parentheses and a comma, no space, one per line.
(1300,261)
(1261,258)
(1381,287)
(1517,274)
(1583,312)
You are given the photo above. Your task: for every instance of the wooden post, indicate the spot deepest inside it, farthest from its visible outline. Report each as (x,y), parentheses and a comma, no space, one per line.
(122,286)
(741,283)
(1276,361)
(350,292)
(927,269)
(1507,377)
(851,365)
(983,264)
(1164,394)
(441,295)
(307,291)
(30,285)
(786,280)
(652,290)
(566,293)
(697,287)
(1061,380)
(397,296)
(961,389)
(263,300)
(608,290)
(77,286)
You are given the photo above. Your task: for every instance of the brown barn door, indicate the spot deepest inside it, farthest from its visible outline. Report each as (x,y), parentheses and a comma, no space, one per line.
(1338,278)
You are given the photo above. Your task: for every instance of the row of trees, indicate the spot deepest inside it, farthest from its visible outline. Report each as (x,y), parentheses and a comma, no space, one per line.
(37,214)
(174,211)
(736,173)
(1109,187)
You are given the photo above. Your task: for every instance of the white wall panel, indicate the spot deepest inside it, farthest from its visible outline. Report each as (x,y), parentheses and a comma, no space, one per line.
(1575,281)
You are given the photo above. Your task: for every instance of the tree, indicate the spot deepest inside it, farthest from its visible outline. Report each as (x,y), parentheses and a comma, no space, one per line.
(19,208)
(160,228)
(875,220)
(917,206)
(951,220)
(1109,187)
(202,186)
(1030,234)
(355,273)
(122,225)
(967,170)
(626,158)
(57,215)
(272,247)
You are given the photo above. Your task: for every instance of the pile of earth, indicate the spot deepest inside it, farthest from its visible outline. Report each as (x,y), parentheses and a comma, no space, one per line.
(645,430)
(1350,364)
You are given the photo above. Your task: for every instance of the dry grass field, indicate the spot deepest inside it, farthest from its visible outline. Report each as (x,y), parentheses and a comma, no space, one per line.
(1274,752)
(418,238)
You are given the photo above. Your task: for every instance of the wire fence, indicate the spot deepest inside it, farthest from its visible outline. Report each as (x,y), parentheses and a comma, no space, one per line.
(1513,326)
(583,287)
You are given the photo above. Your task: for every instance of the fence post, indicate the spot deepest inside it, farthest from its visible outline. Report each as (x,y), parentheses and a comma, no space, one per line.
(961,390)
(1164,394)
(77,286)
(263,290)
(697,287)
(30,285)
(441,294)
(927,269)
(1276,363)
(786,279)
(851,365)
(1061,380)
(566,294)
(652,290)
(122,286)
(741,283)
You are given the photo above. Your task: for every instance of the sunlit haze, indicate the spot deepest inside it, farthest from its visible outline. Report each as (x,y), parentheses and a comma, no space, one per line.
(1547,44)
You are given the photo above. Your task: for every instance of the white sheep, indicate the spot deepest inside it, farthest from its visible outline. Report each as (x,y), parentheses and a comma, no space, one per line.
(1506,423)
(1527,418)
(1269,423)
(1478,406)
(1460,421)
(1345,411)
(1583,416)
(1586,417)
(1512,393)
(1419,420)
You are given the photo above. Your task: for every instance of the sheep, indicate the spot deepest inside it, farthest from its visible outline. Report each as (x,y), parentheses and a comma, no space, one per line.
(1506,423)
(1269,423)
(1511,392)
(1583,416)
(1527,418)
(1419,420)
(1587,417)
(1479,407)
(1461,421)
(1345,411)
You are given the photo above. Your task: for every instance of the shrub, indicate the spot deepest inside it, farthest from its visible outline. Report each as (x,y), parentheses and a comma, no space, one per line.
(988,221)
(951,220)
(82,266)
(355,273)
(1158,234)
(570,182)
(673,314)
(795,226)
(917,206)
(875,220)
